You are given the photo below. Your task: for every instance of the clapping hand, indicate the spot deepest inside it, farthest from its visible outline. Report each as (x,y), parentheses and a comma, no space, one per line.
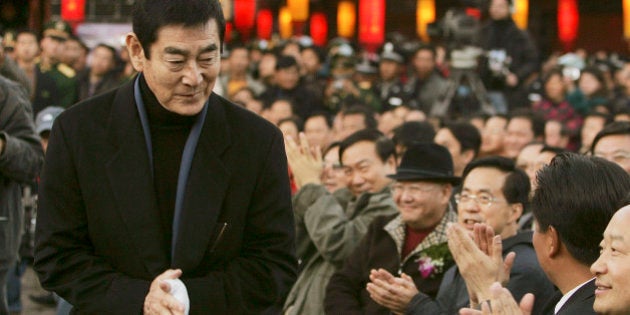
(502,303)
(479,259)
(306,163)
(391,292)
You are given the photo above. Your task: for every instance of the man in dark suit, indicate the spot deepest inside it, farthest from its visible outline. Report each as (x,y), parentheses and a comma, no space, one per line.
(576,197)
(161,185)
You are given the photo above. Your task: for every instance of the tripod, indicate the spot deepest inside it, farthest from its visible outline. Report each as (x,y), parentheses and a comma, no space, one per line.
(463,65)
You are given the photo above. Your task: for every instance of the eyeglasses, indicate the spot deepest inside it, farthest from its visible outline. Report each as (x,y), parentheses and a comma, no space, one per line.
(483,199)
(399,188)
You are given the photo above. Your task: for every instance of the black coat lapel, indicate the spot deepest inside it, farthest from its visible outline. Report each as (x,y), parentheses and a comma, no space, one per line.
(131,181)
(582,300)
(205,191)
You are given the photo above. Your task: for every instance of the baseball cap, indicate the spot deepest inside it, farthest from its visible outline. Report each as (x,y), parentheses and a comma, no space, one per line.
(45,118)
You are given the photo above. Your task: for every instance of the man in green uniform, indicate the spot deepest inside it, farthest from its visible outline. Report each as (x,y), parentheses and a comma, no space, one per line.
(52,44)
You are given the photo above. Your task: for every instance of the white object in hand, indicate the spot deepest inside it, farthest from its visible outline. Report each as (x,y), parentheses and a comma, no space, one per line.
(178,290)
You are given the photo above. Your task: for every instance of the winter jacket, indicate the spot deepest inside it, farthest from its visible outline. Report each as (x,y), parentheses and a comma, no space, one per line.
(328,228)
(381,248)
(526,276)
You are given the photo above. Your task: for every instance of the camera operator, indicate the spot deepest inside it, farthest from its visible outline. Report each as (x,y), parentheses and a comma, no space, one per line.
(511,58)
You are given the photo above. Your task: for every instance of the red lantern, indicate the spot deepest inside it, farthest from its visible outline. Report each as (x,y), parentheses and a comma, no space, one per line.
(244,17)
(371,23)
(264,24)
(73,10)
(568,21)
(319,28)
(228,31)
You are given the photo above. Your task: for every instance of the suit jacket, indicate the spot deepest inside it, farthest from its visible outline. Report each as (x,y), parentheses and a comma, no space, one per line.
(581,302)
(99,238)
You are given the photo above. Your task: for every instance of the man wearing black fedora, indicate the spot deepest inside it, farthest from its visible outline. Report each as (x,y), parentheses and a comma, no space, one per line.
(493,196)
(411,243)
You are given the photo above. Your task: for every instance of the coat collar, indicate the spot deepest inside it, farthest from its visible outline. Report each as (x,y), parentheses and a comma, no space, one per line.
(130,176)
(396,229)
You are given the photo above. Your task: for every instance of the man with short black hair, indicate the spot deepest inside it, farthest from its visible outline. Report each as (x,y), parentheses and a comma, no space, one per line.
(593,123)
(426,85)
(287,84)
(575,199)
(355,118)
(330,225)
(43,87)
(161,196)
(101,75)
(575,194)
(318,130)
(238,76)
(494,193)
(522,128)
(462,140)
(493,135)
(613,144)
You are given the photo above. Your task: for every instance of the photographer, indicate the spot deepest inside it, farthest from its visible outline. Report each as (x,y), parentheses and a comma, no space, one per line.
(350,83)
(512,58)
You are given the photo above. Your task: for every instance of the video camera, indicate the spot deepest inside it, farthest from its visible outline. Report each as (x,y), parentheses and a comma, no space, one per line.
(460,32)
(457,28)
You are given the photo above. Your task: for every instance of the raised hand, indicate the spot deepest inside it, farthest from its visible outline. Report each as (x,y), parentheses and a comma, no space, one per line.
(306,163)
(480,261)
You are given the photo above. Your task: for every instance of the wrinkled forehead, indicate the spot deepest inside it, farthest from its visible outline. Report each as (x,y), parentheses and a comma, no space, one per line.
(164,32)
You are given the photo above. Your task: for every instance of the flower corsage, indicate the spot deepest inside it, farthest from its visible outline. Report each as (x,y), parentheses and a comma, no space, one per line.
(434,260)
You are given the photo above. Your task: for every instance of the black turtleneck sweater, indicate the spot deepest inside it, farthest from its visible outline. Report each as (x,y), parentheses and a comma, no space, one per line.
(169,132)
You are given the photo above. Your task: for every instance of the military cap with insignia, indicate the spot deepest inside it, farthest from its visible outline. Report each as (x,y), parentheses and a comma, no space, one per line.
(57,29)
(8,39)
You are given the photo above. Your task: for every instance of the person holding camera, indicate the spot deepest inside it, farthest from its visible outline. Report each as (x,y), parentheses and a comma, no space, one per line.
(511,58)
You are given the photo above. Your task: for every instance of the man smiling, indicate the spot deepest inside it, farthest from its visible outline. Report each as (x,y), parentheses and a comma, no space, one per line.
(612,268)
(494,192)
(161,184)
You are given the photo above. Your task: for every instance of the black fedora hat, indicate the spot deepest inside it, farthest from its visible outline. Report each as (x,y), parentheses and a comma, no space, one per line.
(426,162)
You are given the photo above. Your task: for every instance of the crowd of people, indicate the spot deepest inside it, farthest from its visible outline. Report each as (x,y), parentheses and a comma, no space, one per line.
(400,206)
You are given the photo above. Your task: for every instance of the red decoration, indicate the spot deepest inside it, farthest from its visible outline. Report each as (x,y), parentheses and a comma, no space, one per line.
(568,22)
(264,24)
(371,23)
(73,10)
(474,12)
(244,17)
(319,28)
(228,31)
